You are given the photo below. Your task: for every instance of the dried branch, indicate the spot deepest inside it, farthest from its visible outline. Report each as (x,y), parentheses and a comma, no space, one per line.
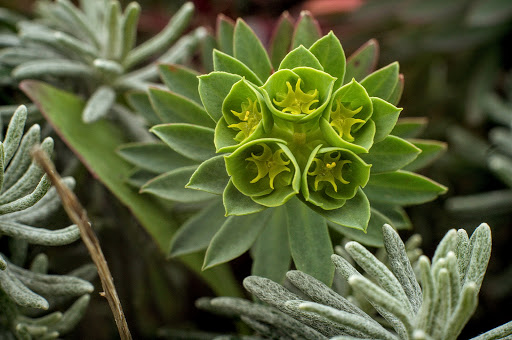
(78,215)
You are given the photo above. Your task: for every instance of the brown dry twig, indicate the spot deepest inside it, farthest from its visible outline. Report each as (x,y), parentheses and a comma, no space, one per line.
(78,215)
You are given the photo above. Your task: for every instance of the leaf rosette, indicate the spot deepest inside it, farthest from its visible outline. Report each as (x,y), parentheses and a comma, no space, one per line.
(313,145)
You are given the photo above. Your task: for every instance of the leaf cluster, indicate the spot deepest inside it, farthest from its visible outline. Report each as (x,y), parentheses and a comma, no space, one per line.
(437,309)
(26,199)
(198,115)
(91,49)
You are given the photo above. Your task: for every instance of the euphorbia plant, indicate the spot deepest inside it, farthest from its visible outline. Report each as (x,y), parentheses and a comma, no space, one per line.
(290,149)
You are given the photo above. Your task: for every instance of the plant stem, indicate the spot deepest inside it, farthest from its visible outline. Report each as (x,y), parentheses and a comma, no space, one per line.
(78,215)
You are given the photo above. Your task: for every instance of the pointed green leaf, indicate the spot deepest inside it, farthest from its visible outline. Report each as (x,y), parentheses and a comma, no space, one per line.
(395,96)
(63,111)
(372,237)
(402,188)
(271,251)
(99,104)
(171,186)
(13,135)
(164,39)
(225,63)
(192,141)
(138,178)
(329,52)
(382,82)
(225,32)
(129,28)
(249,50)
(153,157)
(300,57)
(307,31)
(362,62)
(310,243)
(430,151)
(355,213)
(385,117)
(139,101)
(281,39)
(181,80)
(210,176)
(197,232)
(58,68)
(237,203)
(390,154)
(234,238)
(213,89)
(209,44)
(113,30)
(409,127)
(396,215)
(173,108)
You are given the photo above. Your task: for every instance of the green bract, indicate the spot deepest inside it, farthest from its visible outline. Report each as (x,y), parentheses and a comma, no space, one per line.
(293,134)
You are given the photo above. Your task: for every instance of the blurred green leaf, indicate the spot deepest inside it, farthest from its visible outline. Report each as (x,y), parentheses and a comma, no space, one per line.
(208,45)
(174,108)
(225,32)
(409,127)
(281,39)
(234,238)
(271,252)
(181,80)
(140,102)
(171,186)
(489,12)
(153,157)
(430,151)
(307,31)
(395,96)
(310,243)
(362,62)
(196,233)
(396,215)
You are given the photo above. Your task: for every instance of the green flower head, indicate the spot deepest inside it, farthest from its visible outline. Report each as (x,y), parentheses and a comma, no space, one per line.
(245,117)
(300,94)
(332,176)
(264,170)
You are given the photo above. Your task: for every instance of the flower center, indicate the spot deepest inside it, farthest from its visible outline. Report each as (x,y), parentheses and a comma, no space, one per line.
(296,101)
(342,120)
(329,169)
(249,117)
(268,163)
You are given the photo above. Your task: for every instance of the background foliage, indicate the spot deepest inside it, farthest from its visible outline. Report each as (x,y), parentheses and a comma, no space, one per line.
(454,58)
